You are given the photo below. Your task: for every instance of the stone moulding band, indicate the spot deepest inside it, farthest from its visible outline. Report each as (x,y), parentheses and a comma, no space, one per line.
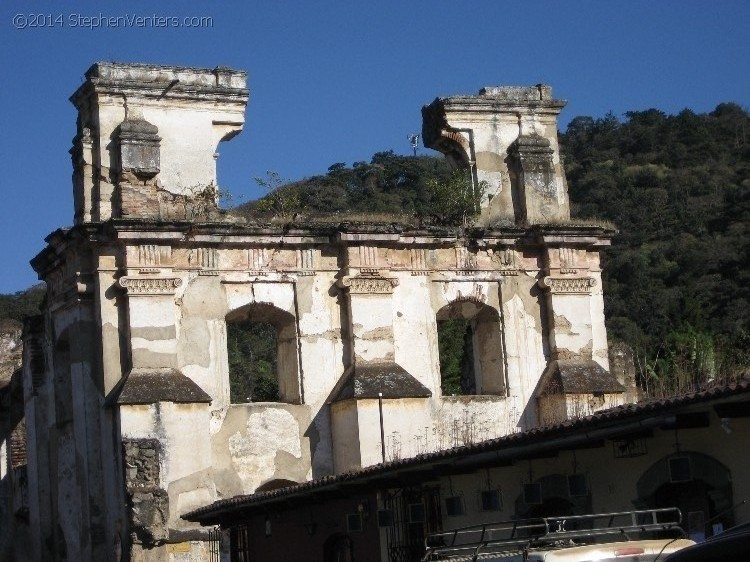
(370,285)
(150,285)
(568,285)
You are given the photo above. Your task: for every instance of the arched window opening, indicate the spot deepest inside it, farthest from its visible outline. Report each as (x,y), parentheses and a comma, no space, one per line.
(470,347)
(262,355)
(456,357)
(252,362)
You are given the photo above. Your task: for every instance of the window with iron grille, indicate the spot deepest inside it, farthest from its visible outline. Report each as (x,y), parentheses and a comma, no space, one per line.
(240,547)
(214,545)
(416,513)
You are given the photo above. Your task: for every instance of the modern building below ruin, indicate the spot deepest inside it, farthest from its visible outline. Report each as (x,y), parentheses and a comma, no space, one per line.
(130,419)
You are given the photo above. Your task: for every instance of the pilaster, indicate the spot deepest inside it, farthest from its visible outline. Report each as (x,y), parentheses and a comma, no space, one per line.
(154,376)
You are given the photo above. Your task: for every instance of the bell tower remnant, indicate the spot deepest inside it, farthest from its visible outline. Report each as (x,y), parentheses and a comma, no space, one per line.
(507,137)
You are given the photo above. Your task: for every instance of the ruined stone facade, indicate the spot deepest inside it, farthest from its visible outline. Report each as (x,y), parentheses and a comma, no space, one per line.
(128,410)
(14,505)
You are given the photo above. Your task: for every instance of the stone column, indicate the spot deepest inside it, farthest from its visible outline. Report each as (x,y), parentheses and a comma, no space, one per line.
(164,414)
(371,315)
(576,381)
(83,159)
(571,334)
(39,416)
(154,375)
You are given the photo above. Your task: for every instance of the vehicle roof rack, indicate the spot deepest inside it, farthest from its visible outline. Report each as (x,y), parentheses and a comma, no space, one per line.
(481,541)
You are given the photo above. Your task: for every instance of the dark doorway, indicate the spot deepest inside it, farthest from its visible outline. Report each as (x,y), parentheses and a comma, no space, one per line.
(338,548)
(697,484)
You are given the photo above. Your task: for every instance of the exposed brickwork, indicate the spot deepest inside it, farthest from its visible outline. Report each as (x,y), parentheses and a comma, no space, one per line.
(18,445)
(138,198)
(149,504)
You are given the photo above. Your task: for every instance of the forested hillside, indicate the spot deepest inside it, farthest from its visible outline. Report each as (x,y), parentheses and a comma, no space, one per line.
(389,184)
(12,310)
(677,187)
(677,278)
(15,306)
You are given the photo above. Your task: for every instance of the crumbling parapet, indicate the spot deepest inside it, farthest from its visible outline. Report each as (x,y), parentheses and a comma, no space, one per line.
(146,133)
(507,137)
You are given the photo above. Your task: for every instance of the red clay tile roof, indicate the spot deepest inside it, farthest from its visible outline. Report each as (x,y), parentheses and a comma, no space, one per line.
(605,418)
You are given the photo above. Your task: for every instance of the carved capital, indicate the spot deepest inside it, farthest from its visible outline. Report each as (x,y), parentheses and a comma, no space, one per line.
(568,285)
(150,285)
(369,285)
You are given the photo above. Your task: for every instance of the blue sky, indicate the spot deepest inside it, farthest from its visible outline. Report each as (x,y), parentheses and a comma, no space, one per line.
(337,81)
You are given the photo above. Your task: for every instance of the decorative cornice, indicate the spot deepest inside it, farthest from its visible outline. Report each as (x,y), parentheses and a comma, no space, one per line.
(150,285)
(369,285)
(568,285)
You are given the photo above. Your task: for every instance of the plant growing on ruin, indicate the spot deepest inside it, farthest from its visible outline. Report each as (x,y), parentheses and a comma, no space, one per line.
(455,200)
(281,200)
(195,203)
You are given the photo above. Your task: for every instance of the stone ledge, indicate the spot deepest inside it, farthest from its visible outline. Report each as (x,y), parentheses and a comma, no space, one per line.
(577,376)
(367,381)
(164,385)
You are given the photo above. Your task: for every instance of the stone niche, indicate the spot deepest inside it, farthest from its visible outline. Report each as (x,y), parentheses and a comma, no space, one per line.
(139,148)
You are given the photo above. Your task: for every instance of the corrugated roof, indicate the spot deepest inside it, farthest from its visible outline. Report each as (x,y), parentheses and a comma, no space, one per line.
(601,419)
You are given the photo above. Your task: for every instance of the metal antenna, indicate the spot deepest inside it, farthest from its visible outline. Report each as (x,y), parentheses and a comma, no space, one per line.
(414,140)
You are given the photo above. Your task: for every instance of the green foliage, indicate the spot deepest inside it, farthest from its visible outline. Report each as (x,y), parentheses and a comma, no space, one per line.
(454,200)
(456,357)
(23,303)
(252,351)
(280,201)
(419,186)
(389,183)
(676,279)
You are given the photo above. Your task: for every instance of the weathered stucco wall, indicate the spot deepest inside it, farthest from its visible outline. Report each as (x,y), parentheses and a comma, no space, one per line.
(183,112)
(134,388)
(164,318)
